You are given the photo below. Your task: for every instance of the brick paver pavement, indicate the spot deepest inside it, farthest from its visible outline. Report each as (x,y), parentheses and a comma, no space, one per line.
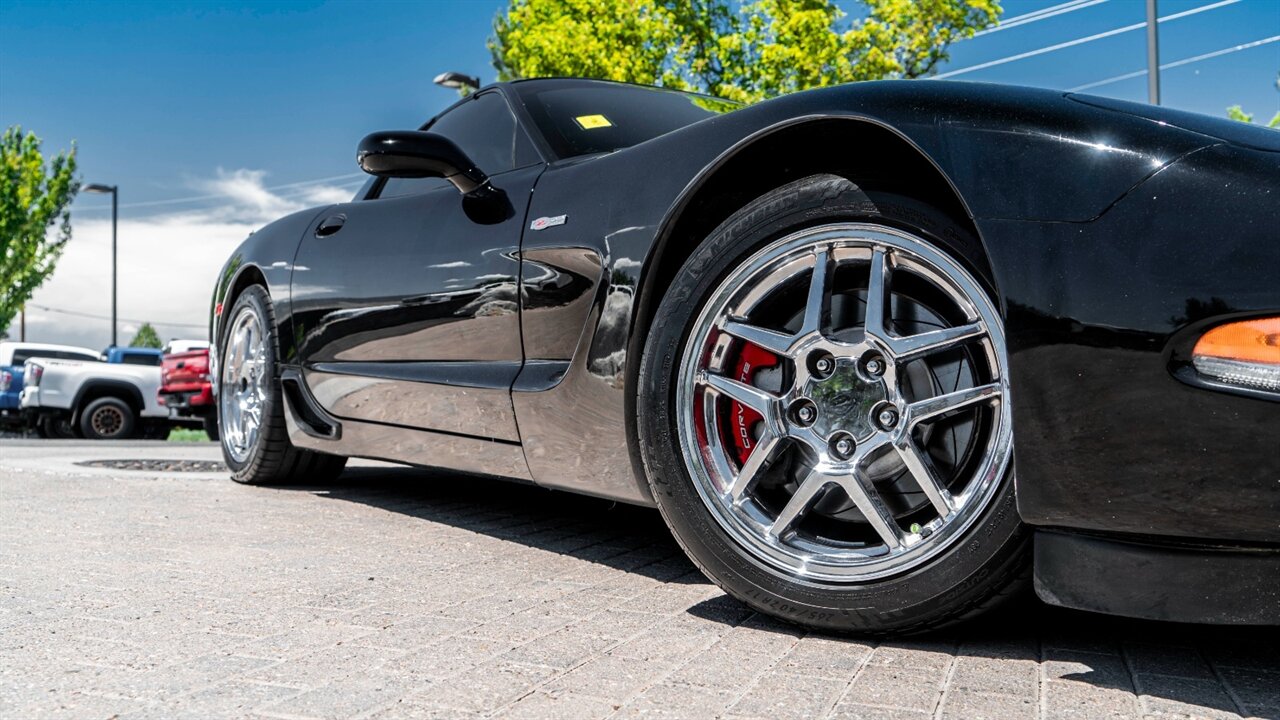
(399,593)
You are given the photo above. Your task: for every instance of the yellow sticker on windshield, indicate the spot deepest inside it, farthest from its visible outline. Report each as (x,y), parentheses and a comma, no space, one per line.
(591,122)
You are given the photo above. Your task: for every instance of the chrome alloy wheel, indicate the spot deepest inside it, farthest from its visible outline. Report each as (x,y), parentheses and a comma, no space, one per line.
(845,403)
(242,388)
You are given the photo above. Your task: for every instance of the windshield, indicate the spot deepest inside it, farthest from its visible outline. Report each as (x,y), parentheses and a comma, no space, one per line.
(581,117)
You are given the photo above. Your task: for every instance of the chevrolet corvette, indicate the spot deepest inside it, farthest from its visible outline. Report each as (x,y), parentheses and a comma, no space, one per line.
(881,354)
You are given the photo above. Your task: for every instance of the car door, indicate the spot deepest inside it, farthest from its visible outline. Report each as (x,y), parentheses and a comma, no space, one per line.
(405,302)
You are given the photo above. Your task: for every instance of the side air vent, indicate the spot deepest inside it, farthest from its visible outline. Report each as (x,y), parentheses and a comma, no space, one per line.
(311,418)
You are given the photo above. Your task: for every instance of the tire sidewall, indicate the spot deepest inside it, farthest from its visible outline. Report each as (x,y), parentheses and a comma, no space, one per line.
(956,579)
(257,298)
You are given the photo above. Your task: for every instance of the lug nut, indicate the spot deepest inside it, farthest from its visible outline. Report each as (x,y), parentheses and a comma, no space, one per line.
(842,446)
(824,366)
(875,366)
(888,418)
(806,414)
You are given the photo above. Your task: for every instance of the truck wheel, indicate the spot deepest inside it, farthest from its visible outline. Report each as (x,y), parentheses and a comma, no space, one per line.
(56,427)
(211,426)
(156,430)
(255,442)
(107,418)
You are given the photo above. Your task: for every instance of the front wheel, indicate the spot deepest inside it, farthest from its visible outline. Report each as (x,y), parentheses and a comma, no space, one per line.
(251,426)
(825,414)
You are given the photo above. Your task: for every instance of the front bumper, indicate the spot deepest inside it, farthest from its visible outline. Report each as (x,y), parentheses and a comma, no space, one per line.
(1182,582)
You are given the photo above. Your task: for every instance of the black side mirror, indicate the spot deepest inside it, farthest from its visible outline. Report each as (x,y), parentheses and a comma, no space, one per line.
(417,154)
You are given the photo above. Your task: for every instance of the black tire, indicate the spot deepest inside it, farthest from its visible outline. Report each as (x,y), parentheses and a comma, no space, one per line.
(156,430)
(57,427)
(987,564)
(210,423)
(273,460)
(108,418)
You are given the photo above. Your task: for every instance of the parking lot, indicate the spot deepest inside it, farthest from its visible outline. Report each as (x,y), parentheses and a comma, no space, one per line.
(397,592)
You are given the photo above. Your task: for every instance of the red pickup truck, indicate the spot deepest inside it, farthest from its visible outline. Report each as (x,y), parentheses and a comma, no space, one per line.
(186,387)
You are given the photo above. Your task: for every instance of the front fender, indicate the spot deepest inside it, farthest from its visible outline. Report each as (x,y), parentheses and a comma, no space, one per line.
(264,257)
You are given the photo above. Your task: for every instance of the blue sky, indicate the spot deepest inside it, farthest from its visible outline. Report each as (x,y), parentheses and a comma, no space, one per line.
(158,95)
(174,100)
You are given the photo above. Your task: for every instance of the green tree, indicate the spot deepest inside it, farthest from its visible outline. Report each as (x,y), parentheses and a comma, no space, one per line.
(763,49)
(34,198)
(147,337)
(1235,112)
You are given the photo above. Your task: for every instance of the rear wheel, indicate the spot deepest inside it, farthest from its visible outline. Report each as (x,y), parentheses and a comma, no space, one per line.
(210,423)
(57,427)
(107,418)
(825,417)
(251,426)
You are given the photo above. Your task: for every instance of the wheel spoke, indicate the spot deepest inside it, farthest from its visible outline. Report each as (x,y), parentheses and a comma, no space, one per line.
(756,463)
(868,501)
(877,284)
(754,398)
(799,504)
(914,346)
(817,308)
(919,468)
(935,406)
(775,342)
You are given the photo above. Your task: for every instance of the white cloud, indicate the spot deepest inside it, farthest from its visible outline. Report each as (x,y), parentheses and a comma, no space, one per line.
(325,195)
(247,195)
(167,263)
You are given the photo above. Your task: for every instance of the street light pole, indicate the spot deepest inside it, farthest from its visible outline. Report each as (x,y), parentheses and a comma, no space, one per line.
(1153,54)
(114,190)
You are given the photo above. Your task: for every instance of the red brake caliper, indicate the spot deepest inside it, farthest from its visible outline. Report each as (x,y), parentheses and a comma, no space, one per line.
(742,418)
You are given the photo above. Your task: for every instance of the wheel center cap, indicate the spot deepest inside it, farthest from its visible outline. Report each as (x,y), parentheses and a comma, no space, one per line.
(845,401)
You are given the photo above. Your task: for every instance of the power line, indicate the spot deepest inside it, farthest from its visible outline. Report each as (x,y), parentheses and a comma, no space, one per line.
(1083,40)
(91,316)
(1179,63)
(1038,15)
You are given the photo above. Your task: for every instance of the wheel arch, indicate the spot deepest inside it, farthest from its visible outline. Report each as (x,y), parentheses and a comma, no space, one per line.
(246,277)
(867,152)
(96,389)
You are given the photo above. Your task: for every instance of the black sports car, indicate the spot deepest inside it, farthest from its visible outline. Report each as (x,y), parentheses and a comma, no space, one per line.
(812,332)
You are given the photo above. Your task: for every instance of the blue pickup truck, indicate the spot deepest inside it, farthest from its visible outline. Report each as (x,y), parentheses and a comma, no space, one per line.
(13,355)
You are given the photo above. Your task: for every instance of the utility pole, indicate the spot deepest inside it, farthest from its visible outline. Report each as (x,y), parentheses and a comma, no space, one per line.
(115,194)
(22,324)
(1153,54)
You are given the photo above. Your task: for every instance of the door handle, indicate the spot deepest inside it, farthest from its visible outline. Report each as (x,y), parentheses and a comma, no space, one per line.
(331,225)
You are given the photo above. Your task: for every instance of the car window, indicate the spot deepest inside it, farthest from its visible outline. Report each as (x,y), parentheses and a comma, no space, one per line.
(585,117)
(21,356)
(140,359)
(483,127)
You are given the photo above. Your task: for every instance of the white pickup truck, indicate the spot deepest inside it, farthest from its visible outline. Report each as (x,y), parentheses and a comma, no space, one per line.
(94,400)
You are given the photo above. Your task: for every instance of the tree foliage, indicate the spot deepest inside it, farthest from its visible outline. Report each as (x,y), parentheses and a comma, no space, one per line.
(762,49)
(147,337)
(1235,112)
(34,198)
